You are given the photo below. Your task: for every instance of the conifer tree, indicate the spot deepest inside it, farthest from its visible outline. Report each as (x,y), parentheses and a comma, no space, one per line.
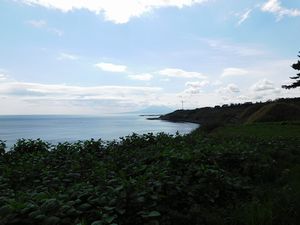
(295,66)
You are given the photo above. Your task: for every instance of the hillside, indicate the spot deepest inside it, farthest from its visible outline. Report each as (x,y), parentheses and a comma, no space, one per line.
(278,110)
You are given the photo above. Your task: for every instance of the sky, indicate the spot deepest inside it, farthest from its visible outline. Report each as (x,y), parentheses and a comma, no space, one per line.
(110,56)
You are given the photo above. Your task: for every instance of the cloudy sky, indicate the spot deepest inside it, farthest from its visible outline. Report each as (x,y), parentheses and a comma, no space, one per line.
(104,56)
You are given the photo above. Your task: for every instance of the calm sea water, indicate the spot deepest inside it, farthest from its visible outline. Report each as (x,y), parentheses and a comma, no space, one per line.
(56,129)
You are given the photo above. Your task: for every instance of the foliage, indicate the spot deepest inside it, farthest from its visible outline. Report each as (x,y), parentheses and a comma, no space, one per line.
(284,109)
(148,179)
(269,130)
(2,147)
(209,127)
(276,112)
(295,66)
(30,146)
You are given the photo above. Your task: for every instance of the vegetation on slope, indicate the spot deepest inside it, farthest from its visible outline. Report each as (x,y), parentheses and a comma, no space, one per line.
(163,179)
(278,110)
(259,130)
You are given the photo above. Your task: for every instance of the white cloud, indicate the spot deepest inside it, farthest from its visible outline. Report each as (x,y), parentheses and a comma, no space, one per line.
(109,67)
(114,10)
(244,16)
(42,24)
(37,23)
(274,6)
(38,98)
(228,72)
(190,91)
(56,31)
(263,85)
(265,89)
(61,90)
(67,56)
(217,83)
(197,84)
(142,77)
(232,88)
(229,89)
(242,98)
(194,87)
(173,72)
(233,48)
(2,76)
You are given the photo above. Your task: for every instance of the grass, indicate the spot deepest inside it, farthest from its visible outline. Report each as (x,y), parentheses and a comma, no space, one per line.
(237,175)
(275,112)
(261,130)
(274,201)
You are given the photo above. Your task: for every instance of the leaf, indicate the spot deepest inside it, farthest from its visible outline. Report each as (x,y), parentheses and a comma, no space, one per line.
(120,211)
(141,199)
(119,188)
(108,208)
(50,205)
(98,222)
(4,210)
(109,219)
(84,207)
(152,214)
(53,220)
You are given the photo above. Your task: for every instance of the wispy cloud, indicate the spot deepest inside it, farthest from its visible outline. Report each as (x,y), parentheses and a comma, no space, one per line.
(67,56)
(142,77)
(244,16)
(59,92)
(37,23)
(114,10)
(196,84)
(229,72)
(233,48)
(110,67)
(2,76)
(275,7)
(42,24)
(174,72)
(56,31)
(86,97)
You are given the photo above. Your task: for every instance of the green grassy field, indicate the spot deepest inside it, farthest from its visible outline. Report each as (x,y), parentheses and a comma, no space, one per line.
(236,175)
(261,130)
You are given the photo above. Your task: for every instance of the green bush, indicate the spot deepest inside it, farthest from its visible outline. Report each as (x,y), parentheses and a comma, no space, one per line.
(150,179)
(30,146)
(2,147)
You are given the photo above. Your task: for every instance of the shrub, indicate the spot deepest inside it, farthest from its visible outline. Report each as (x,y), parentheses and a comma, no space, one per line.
(30,146)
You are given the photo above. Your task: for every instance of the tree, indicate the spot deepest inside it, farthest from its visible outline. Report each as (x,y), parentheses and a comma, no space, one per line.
(2,147)
(295,66)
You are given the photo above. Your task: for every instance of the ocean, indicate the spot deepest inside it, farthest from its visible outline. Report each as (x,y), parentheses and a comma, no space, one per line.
(61,128)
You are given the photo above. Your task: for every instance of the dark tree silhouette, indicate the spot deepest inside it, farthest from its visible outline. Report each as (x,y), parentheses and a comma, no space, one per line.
(295,66)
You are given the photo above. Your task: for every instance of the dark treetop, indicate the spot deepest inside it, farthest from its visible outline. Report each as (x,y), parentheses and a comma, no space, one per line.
(295,66)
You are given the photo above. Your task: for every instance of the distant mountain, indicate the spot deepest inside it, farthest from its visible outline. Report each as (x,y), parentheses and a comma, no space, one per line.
(154,110)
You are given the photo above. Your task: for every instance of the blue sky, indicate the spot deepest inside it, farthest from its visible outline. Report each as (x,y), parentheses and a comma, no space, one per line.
(96,57)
